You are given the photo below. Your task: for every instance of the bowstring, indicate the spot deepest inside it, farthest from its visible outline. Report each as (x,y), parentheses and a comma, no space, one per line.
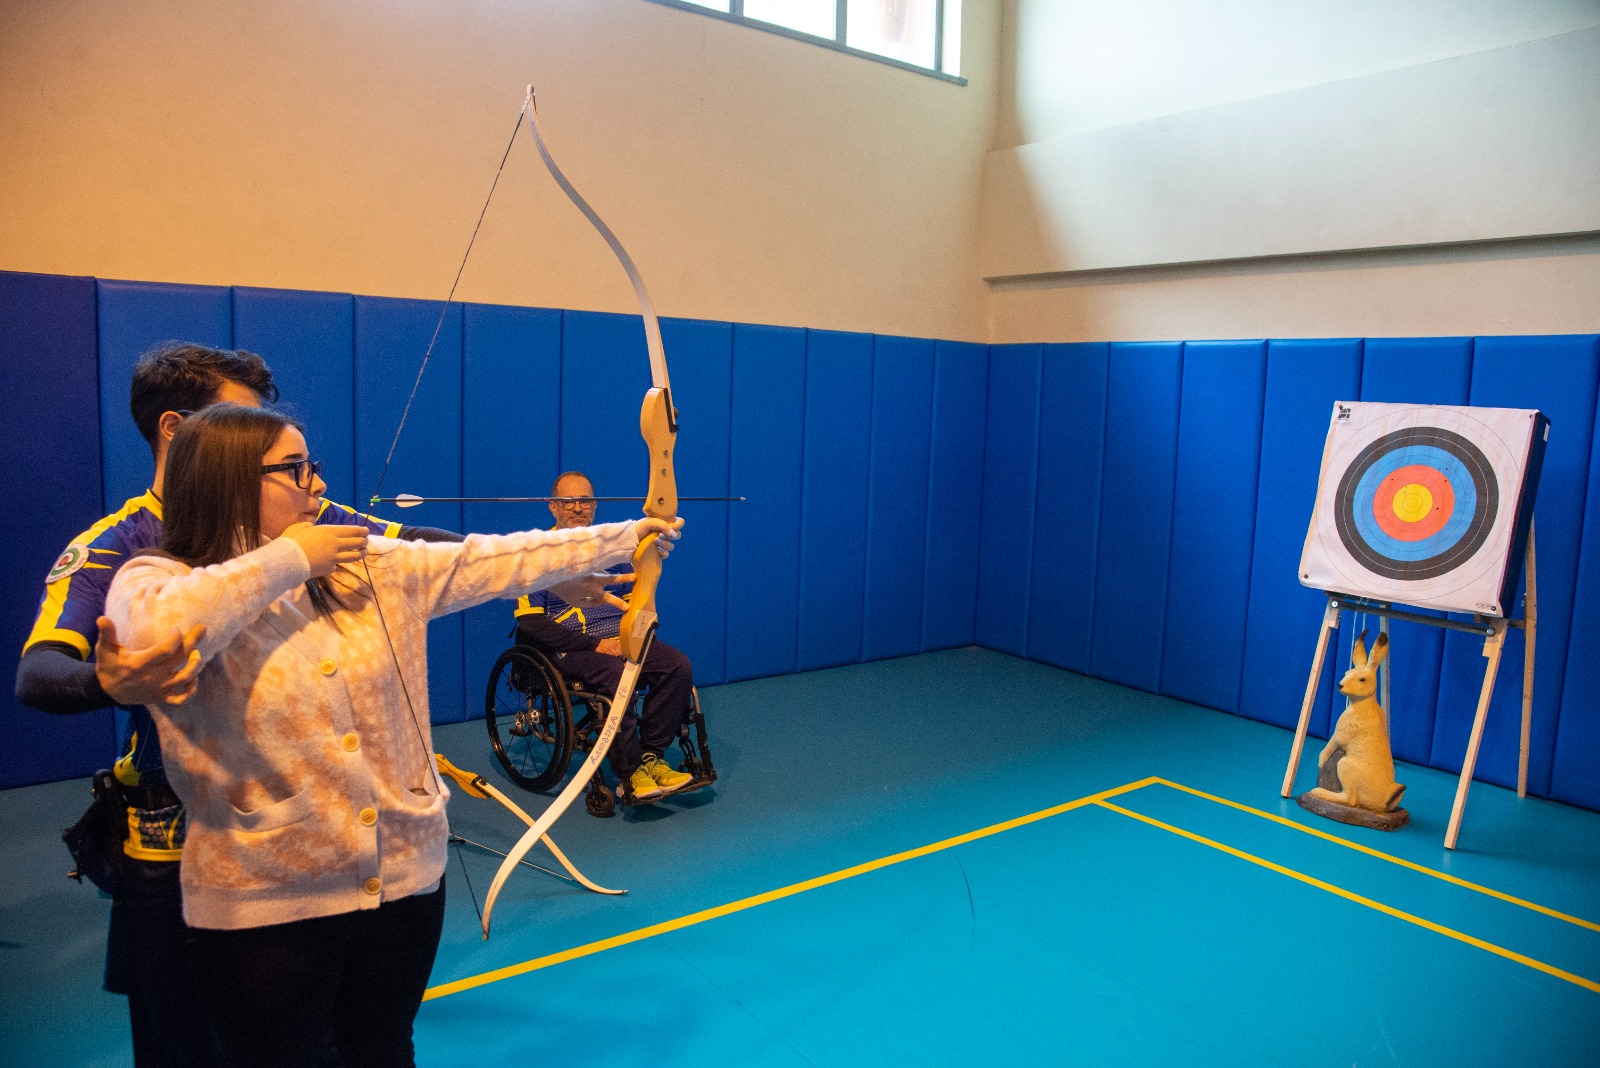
(458,841)
(405,413)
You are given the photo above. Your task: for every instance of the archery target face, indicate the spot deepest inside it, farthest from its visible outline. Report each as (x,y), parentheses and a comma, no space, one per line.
(1417,504)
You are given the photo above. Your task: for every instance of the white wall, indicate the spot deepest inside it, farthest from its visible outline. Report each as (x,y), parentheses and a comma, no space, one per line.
(1078,65)
(348,146)
(1246,168)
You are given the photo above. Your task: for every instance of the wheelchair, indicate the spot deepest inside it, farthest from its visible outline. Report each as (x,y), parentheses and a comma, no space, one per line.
(529,710)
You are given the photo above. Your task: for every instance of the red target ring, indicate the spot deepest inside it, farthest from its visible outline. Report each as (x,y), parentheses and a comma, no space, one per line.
(1413,502)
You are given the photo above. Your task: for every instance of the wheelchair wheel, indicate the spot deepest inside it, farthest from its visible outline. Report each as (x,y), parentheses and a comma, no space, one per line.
(598,800)
(529,719)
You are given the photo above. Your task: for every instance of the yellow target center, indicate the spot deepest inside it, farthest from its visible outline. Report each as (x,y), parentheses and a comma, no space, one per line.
(1412,503)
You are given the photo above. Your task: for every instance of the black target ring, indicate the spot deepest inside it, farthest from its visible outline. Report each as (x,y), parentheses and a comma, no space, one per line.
(1486,506)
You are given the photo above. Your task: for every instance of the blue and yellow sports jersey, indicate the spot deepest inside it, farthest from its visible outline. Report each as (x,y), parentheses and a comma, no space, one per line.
(598,621)
(340,516)
(76,587)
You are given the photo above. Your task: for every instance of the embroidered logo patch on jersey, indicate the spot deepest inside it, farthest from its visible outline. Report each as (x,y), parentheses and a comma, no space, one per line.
(68,562)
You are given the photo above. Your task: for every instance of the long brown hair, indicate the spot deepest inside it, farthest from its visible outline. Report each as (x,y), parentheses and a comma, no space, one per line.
(211,506)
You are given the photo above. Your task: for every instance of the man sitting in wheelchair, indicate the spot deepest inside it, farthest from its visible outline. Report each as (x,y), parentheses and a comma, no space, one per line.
(582,643)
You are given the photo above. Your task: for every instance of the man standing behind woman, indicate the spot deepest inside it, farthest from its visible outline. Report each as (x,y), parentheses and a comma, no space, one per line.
(313,872)
(72,663)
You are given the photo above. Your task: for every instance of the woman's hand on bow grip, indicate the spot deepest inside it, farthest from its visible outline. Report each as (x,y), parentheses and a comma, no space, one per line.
(328,546)
(668,531)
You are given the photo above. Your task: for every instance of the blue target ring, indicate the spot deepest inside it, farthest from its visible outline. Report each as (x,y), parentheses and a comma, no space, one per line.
(1455,528)
(1459,462)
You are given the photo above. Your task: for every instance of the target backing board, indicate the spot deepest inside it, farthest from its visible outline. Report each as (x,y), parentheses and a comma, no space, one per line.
(1425,504)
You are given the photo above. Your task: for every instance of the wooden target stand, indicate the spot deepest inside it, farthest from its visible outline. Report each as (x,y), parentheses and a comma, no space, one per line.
(1492,628)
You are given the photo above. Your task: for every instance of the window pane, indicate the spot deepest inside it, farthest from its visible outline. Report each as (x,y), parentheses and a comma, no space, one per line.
(808,16)
(952,37)
(899,29)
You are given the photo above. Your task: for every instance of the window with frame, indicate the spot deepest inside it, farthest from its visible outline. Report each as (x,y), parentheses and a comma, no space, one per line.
(920,35)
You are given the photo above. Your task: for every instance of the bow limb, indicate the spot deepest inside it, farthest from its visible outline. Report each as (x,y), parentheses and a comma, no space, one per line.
(652,329)
(658,424)
(536,831)
(475,785)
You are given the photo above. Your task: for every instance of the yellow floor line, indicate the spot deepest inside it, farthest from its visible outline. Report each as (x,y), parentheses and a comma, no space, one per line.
(456,987)
(1590,924)
(1548,969)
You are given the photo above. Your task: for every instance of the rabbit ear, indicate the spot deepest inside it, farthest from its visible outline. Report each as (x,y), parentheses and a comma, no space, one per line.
(1380,650)
(1358,651)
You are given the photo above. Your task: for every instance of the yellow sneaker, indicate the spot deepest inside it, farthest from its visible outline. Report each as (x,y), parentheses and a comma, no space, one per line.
(662,774)
(642,786)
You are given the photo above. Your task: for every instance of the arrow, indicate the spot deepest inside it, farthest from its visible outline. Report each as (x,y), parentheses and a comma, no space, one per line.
(411,500)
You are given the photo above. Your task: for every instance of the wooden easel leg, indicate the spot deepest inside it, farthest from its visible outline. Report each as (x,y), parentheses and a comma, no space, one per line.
(1383,678)
(1330,623)
(1491,649)
(1530,616)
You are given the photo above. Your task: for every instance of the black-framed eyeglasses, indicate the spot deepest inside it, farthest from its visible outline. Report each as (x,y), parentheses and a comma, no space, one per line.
(580,503)
(304,470)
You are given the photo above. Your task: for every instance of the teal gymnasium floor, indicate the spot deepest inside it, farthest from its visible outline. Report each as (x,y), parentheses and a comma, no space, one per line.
(959,858)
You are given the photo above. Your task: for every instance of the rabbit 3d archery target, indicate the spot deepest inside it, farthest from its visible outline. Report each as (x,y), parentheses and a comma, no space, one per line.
(1425,504)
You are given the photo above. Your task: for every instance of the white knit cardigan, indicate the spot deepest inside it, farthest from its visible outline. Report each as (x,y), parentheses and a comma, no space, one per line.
(304,759)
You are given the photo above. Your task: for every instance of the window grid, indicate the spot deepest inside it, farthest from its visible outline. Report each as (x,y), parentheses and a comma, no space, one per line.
(735,13)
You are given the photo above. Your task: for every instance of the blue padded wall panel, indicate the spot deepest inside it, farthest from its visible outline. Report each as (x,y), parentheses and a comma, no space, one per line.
(308,339)
(694,588)
(897,496)
(838,440)
(1416,370)
(510,447)
(605,371)
(955,494)
(134,317)
(769,369)
(1420,371)
(1575,770)
(510,417)
(1142,395)
(1304,378)
(391,337)
(1213,521)
(1072,422)
(49,405)
(1010,486)
(1557,375)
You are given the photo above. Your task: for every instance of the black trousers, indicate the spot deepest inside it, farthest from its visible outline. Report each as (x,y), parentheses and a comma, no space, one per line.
(278,993)
(147,958)
(667,680)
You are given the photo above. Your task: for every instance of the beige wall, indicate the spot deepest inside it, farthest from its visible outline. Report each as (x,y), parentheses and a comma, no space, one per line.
(331,145)
(348,146)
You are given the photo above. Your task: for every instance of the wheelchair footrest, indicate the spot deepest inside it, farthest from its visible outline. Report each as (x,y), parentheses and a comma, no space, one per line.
(639,802)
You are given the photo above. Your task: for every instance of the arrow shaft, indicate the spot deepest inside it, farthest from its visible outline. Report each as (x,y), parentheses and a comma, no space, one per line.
(405,500)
